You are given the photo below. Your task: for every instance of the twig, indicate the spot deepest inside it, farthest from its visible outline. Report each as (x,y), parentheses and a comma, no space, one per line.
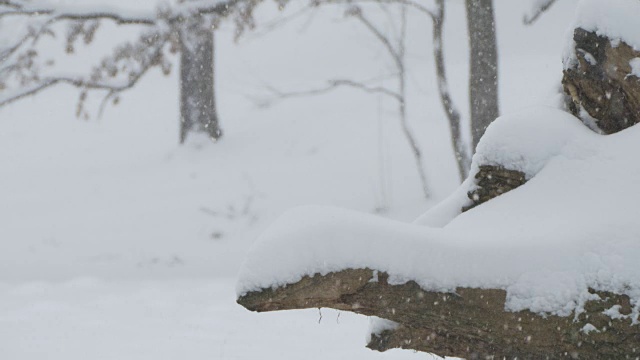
(333,85)
(537,12)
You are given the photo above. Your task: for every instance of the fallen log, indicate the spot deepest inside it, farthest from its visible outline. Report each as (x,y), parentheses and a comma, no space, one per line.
(470,323)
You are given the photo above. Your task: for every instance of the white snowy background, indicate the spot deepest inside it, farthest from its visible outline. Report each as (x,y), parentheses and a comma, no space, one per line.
(116,243)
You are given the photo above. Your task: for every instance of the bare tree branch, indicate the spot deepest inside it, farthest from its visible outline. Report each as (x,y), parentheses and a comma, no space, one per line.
(409,3)
(413,142)
(22,8)
(397,54)
(333,85)
(463,158)
(460,148)
(19,70)
(537,11)
(114,87)
(384,40)
(57,14)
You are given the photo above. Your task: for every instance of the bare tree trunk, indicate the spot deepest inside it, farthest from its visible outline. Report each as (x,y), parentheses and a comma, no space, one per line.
(483,76)
(198,110)
(459,145)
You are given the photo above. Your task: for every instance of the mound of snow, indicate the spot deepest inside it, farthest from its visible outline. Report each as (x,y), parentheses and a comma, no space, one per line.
(572,226)
(525,141)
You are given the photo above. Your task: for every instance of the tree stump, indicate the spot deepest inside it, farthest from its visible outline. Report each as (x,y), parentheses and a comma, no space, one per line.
(602,88)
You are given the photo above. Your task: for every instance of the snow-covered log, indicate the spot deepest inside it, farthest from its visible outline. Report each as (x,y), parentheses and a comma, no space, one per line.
(543,265)
(548,270)
(469,323)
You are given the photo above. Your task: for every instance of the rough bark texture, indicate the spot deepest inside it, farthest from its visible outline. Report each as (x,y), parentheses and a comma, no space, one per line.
(483,74)
(471,323)
(600,83)
(198,110)
(493,181)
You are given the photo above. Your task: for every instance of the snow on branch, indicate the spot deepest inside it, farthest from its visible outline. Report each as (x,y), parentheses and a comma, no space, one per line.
(58,12)
(538,8)
(21,74)
(119,15)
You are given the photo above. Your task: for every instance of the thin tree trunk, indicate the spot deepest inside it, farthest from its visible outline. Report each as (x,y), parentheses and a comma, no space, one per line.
(198,112)
(457,141)
(483,76)
(402,75)
(398,55)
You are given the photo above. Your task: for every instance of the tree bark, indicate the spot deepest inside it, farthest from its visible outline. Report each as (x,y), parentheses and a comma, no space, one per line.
(483,75)
(492,181)
(198,111)
(470,323)
(604,91)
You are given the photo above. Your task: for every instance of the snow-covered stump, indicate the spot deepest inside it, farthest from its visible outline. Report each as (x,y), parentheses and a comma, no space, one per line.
(604,82)
(602,65)
(470,323)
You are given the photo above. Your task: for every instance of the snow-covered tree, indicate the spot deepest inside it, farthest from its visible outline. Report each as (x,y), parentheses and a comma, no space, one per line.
(186,27)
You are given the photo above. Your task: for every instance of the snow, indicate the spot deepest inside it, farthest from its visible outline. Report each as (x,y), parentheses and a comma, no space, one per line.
(635,67)
(589,328)
(195,318)
(571,227)
(614,19)
(525,141)
(614,312)
(378,325)
(116,243)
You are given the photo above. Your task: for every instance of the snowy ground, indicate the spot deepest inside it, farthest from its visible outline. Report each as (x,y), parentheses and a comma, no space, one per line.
(118,244)
(160,319)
